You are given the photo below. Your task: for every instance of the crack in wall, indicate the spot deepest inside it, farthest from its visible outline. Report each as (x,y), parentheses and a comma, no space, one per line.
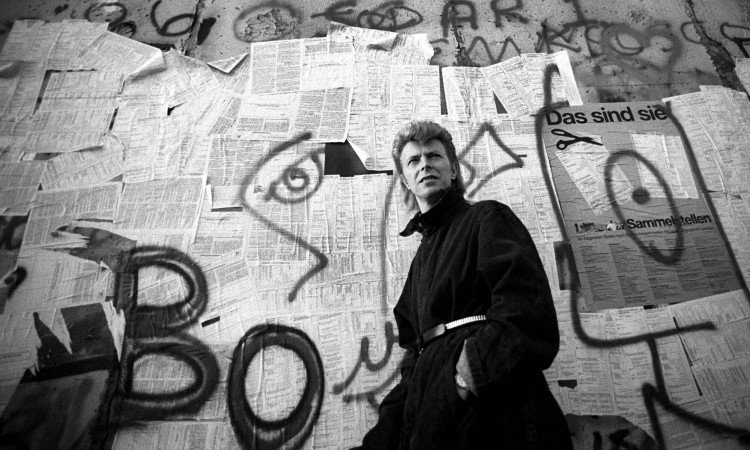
(720,56)
(192,39)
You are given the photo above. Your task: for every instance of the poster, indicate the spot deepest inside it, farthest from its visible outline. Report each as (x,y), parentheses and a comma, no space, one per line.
(639,226)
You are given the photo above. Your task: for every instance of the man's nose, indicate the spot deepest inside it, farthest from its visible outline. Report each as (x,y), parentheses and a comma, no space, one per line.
(424,162)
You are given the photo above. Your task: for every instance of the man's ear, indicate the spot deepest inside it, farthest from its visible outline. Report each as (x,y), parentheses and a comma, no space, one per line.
(454,170)
(403,180)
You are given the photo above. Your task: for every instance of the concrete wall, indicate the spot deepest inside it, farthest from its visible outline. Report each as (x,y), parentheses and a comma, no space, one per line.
(625,51)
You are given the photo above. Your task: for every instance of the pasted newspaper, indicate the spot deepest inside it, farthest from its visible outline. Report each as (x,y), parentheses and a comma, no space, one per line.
(162,147)
(185,77)
(57,280)
(519,82)
(162,211)
(415,93)
(734,213)
(721,114)
(19,182)
(468,95)
(75,112)
(637,238)
(218,232)
(57,208)
(385,47)
(115,53)
(85,167)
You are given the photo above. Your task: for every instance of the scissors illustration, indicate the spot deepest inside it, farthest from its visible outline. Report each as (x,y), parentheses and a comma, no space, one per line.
(563,144)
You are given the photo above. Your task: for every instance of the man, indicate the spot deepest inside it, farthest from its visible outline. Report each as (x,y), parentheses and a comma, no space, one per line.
(476,318)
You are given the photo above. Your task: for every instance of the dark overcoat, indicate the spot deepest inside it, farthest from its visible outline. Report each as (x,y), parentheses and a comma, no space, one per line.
(474,259)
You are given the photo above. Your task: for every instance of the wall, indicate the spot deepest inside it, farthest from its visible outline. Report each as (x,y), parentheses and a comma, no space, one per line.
(307,315)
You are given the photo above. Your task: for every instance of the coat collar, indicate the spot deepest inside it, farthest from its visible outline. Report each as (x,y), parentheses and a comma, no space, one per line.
(436,216)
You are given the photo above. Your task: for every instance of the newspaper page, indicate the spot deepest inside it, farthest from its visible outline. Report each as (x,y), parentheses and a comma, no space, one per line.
(143,97)
(327,63)
(415,93)
(468,95)
(519,82)
(185,434)
(218,232)
(385,47)
(165,207)
(276,66)
(21,90)
(57,280)
(19,182)
(742,69)
(114,53)
(636,245)
(233,75)
(85,167)
(163,147)
(690,111)
(76,35)
(75,112)
(185,77)
(324,113)
(56,208)
(729,111)
(729,314)
(734,213)
(233,159)
(265,117)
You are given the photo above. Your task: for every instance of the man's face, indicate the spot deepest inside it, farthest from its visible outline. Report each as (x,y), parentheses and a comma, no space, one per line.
(427,172)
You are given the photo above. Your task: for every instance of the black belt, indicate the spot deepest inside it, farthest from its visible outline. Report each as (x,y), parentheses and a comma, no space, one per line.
(440,329)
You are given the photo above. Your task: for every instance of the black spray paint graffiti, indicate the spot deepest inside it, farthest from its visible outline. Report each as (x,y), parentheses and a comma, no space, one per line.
(155,331)
(158,332)
(296,182)
(651,394)
(293,430)
(116,13)
(364,358)
(388,16)
(164,28)
(113,12)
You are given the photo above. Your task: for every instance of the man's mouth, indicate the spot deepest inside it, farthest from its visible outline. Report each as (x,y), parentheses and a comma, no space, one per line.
(428,177)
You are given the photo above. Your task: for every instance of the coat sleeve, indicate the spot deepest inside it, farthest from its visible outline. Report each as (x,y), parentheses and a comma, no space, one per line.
(521,332)
(387,431)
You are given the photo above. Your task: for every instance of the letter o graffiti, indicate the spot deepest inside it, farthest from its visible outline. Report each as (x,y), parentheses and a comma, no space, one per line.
(650,250)
(293,430)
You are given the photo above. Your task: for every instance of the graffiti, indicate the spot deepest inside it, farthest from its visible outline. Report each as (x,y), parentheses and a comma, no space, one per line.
(517,161)
(641,196)
(364,358)
(392,15)
(271,20)
(164,29)
(650,392)
(205,29)
(738,34)
(470,50)
(293,430)
(296,182)
(451,18)
(507,13)
(189,399)
(112,12)
(60,8)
